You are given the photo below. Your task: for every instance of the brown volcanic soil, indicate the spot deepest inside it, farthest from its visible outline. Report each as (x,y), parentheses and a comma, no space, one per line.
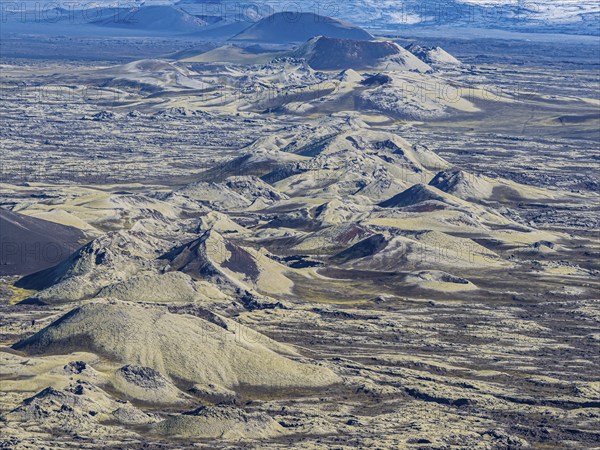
(29,244)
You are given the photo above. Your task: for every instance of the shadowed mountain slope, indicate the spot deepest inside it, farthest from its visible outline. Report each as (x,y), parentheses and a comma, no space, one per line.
(29,244)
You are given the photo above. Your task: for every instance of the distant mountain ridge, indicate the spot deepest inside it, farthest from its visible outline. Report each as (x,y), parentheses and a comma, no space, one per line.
(158,18)
(532,16)
(222,18)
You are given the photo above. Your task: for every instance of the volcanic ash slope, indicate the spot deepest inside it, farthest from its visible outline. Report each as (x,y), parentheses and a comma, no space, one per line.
(285,27)
(478,188)
(153,287)
(324,53)
(183,347)
(225,422)
(20,231)
(436,56)
(109,259)
(220,260)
